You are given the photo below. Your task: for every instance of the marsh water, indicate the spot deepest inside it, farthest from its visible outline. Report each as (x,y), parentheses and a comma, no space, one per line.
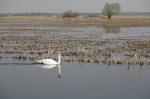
(27,80)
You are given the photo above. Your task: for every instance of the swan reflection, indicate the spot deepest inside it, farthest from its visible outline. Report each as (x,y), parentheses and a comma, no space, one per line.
(48,67)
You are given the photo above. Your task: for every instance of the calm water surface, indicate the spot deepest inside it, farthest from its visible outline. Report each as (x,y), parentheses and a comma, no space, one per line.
(24,80)
(78,81)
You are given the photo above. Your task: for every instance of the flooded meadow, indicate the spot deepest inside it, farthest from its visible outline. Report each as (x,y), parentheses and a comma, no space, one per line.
(26,39)
(98,61)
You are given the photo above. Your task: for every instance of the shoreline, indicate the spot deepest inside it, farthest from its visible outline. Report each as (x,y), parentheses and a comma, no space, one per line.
(116,21)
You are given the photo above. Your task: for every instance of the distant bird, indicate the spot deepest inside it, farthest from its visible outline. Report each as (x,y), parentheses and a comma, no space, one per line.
(51,61)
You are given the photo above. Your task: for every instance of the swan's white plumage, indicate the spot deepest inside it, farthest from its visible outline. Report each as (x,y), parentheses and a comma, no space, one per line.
(47,61)
(50,61)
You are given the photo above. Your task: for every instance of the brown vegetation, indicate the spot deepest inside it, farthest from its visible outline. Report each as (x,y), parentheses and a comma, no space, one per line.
(117,21)
(21,41)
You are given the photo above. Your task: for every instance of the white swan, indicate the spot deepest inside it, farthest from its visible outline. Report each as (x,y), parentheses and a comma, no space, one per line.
(50,61)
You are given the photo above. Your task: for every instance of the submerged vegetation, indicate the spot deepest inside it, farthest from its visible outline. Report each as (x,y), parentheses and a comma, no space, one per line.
(76,49)
(36,39)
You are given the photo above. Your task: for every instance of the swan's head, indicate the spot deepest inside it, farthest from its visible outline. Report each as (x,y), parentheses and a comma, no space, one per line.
(58,51)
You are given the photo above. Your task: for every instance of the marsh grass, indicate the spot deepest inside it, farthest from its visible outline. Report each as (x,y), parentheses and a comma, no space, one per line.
(79,21)
(82,49)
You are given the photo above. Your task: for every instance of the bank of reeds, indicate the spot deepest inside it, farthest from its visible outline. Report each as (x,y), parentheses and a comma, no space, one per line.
(81,50)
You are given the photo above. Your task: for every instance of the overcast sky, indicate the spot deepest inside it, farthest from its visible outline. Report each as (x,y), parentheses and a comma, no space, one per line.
(13,6)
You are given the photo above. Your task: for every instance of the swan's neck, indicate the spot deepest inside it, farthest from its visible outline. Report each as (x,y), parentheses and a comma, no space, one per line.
(59,58)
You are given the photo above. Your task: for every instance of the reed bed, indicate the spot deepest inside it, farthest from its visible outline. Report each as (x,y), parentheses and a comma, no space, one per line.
(81,50)
(28,38)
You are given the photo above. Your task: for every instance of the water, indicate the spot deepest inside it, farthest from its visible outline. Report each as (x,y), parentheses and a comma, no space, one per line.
(78,81)
(27,80)
(32,28)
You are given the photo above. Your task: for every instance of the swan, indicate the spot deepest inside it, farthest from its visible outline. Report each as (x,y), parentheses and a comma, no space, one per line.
(51,61)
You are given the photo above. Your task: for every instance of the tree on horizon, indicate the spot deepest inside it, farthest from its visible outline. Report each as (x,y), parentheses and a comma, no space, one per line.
(110,9)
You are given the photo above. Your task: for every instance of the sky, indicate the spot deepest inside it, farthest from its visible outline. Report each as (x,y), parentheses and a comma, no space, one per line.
(59,6)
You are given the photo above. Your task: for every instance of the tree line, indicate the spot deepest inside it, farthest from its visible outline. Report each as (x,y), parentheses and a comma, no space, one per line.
(109,10)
